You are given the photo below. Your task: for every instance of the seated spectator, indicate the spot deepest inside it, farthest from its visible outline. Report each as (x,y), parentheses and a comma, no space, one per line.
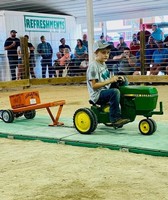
(61,62)
(110,62)
(80,51)
(127,62)
(134,46)
(157,33)
(85,41)
(63,46)
(134,36)
(150,47)
(159,59)
(166,42)
(147,35)
(84,64)
(121,45)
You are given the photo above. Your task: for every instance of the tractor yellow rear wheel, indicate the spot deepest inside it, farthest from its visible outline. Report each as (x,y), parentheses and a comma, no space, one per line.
(84,121)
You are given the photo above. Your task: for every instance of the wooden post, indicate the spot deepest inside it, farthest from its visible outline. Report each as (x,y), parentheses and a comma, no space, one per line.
(25,57)
(142,47)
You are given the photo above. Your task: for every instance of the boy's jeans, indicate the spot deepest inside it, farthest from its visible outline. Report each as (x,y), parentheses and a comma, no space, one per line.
(112,96)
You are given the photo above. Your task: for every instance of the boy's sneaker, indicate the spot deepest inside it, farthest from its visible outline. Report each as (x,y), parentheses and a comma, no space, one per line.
(120,122)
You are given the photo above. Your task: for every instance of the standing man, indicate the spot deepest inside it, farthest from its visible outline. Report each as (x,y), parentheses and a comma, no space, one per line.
(11,45)
(45,50)
(157,33)
(31,57)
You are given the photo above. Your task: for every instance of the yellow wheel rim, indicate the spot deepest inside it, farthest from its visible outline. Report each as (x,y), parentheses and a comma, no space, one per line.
(145,127)
(82,121)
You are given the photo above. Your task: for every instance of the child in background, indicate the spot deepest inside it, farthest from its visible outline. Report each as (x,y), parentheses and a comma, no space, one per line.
(99,84)
(61,62)
(84,64)
(20,72)
(65,58)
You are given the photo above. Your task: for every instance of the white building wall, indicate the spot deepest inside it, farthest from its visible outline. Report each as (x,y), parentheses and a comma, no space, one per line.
(15,20)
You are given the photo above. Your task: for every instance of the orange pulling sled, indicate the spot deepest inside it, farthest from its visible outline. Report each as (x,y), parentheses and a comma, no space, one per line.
(26,104)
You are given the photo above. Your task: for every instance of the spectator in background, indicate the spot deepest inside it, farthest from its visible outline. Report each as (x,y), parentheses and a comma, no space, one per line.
(84,64)
(159,59)
(112,64)
(166,42)
(121,45)
(20,71)
(45,50)
(134,36)
(127,62)
(80,51)
(134,46)
(147,35)
(63,46)
(11,44)
(85,41)
(157,33)
(62,62)
(149,49)
(31,58)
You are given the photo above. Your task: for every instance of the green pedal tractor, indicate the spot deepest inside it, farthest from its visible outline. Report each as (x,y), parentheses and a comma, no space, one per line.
(135,100)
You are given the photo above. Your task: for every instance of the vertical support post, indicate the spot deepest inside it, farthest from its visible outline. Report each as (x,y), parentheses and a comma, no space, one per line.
(25,57)
(142,47)
(90,28)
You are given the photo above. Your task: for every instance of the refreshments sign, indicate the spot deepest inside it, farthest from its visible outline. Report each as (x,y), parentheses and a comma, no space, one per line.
(44,24)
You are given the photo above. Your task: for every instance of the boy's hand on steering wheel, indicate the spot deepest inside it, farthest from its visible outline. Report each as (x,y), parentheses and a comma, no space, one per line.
(114,79)
(121,78)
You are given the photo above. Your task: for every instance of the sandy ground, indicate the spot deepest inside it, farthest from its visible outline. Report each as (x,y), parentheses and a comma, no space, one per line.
(33,170)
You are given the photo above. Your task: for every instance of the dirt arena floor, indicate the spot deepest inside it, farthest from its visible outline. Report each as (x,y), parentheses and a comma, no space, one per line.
(34,170)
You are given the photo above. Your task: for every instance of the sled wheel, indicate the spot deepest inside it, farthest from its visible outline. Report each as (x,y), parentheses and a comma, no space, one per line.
(19,114)
(84,121)
(7,116)
(154,124)
(146,127)
(30,114)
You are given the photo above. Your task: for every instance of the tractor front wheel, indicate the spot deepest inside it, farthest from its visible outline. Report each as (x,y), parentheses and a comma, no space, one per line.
(146,127)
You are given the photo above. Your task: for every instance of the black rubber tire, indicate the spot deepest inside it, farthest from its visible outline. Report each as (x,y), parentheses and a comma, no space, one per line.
(84,121)
(30,114)
(95,119)
(154,124)
(7,116)
(19,114)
